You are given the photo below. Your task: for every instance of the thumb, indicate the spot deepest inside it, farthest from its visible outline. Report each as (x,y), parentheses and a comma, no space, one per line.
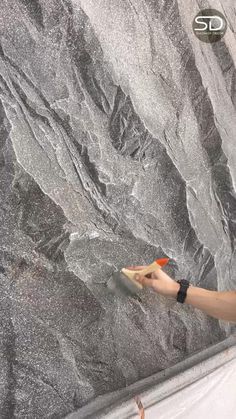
(143,280)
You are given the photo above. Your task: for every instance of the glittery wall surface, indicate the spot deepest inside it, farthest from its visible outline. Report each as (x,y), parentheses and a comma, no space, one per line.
(117,146)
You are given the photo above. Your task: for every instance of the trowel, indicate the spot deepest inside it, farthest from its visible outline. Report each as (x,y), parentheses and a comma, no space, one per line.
(123,283)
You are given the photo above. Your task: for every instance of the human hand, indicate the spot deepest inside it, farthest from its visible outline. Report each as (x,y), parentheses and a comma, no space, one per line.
(159,281)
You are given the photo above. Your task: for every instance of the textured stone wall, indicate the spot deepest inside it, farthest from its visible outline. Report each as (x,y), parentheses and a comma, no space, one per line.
(117,146)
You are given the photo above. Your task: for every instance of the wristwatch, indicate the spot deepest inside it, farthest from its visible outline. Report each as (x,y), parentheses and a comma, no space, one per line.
(182,293)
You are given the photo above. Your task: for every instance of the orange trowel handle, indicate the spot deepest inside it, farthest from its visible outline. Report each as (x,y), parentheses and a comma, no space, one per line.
(147,270)
(162,262)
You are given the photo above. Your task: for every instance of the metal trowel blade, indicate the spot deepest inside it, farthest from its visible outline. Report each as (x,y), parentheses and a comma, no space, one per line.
(121,285)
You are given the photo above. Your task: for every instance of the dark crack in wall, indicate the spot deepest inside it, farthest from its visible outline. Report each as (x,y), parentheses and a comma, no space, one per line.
(116,147)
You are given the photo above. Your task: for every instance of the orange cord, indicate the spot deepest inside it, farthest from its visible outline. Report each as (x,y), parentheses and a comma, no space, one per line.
(140,407)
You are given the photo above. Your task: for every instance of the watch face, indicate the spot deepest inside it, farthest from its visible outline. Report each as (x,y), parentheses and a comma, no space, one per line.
(183,281)
(184,284)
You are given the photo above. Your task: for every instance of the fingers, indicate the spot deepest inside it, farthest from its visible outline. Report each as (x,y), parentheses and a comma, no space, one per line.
(146,282)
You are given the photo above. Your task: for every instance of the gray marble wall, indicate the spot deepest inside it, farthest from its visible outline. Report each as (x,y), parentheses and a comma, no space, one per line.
(117,146)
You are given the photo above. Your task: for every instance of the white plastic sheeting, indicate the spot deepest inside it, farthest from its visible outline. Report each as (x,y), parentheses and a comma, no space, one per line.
(213,396)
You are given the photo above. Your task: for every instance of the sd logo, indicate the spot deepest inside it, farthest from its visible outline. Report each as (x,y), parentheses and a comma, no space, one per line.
(209,25)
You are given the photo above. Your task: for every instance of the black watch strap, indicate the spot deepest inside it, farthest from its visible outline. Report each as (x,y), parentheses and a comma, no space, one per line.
(182,293)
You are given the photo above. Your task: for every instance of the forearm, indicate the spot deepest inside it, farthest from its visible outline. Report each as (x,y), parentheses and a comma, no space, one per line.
(221,305)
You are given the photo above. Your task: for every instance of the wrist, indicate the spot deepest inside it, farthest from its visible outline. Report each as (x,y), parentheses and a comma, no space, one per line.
(173,290)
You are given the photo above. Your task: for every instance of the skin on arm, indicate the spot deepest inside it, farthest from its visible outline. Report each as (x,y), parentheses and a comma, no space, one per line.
(221,305)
